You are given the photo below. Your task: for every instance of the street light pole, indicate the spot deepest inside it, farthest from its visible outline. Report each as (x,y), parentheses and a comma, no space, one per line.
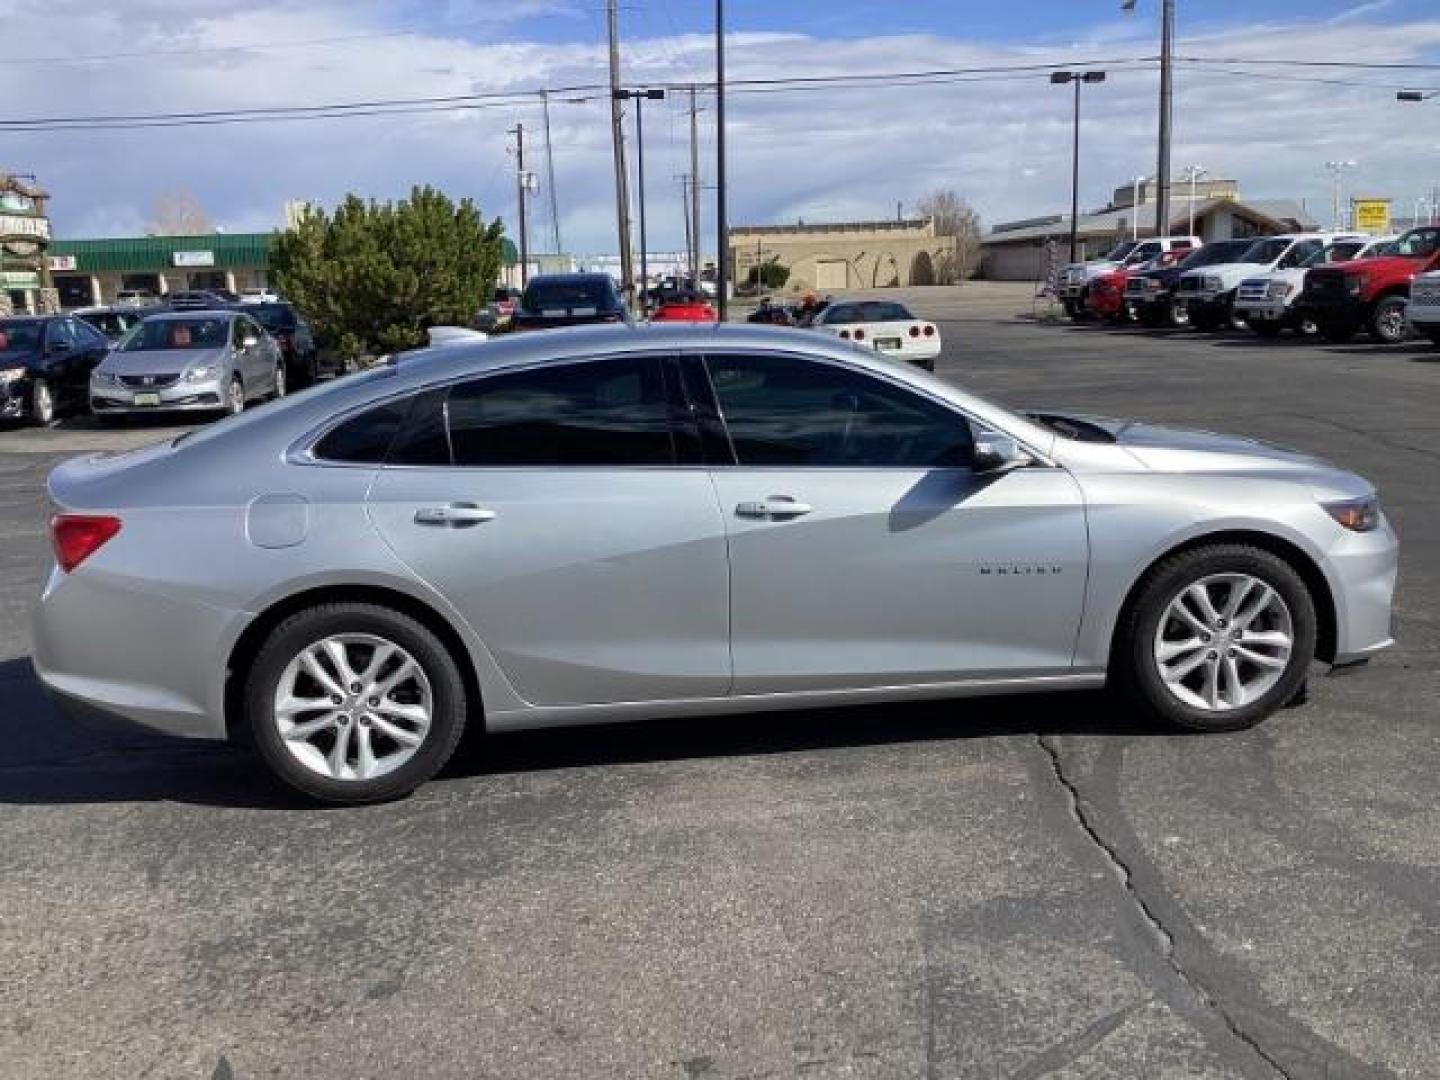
(1060,78)
(1193,173)
(722,228)
(1336,168)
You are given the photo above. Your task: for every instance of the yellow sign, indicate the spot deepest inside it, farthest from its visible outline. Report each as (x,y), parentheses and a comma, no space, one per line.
(1371,215)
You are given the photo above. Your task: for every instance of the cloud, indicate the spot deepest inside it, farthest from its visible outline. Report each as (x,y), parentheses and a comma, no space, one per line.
(1359,11)
(837,153)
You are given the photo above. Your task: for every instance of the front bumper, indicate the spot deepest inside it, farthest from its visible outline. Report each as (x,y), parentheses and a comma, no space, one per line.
(183,396)
(1362,571)
(1333,307)
(1268,310)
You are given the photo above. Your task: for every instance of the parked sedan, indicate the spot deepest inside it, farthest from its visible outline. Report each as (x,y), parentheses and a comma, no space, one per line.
(618,522)
(883,325)
(189,361)
(45,364)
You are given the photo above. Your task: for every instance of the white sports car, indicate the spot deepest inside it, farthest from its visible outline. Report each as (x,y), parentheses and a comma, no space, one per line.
(883,325)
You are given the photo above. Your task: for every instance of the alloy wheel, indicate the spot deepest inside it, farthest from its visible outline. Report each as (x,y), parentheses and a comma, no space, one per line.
(353,707)
(280,380)
(1390,324)
(43,403)
(236,395)
(1223,642)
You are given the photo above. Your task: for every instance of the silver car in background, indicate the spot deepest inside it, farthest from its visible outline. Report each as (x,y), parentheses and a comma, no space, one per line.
(610,523)
(188,361)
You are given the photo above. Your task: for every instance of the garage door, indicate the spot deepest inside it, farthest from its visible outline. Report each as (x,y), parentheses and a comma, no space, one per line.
(831,274)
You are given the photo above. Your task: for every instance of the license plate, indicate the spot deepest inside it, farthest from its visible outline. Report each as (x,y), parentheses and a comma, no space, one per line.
(146,399)
(887,343)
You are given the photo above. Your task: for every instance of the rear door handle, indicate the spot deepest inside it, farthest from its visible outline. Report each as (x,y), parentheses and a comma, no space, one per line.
(776,506)
(458,515)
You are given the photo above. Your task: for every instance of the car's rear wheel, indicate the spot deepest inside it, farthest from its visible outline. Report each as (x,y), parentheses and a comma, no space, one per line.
(354,703)
(1217,639)
(42,403)
(1388,322)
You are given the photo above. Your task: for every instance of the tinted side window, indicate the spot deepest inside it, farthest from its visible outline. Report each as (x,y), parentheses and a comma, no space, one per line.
(600,412)
(783,410)
(364,438)
(60,333)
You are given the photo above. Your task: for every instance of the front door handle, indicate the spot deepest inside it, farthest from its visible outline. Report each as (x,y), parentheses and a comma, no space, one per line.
(458,515)
(776,506)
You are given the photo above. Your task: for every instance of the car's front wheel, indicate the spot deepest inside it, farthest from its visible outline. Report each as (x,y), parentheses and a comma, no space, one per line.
(1217,638)
(354,703)
(279,381)
(1388,322)
(42,403)
(235,396)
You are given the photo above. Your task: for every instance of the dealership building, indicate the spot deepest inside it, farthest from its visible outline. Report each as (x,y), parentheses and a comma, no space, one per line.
(1023,250)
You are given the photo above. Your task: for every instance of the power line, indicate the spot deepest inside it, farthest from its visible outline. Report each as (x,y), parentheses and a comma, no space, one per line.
(1286,62)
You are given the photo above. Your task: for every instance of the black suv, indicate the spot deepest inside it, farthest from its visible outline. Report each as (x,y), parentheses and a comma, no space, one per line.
(569,300)
(292,334)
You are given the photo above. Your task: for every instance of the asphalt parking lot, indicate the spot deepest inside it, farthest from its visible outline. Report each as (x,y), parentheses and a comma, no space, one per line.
(1013,887)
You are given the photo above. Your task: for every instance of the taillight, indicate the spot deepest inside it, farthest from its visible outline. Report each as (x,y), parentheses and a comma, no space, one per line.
(914,331)
(859,334)
(76,537)
(929,331)
(845,334)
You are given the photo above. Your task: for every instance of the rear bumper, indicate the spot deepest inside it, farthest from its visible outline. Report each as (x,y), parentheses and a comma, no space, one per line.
(133,657)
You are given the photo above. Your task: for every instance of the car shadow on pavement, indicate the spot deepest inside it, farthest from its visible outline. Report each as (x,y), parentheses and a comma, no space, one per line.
(50,758)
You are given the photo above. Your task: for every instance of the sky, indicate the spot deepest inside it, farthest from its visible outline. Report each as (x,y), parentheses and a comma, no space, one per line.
(839,153)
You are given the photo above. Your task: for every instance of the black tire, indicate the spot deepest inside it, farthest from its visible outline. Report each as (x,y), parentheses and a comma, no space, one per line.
(1387,321)
(301,630)
(1337,333)
(1133,667)
(1266,328)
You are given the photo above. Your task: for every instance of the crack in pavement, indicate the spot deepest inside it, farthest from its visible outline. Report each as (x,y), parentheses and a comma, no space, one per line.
(1164,941)
(1190,973)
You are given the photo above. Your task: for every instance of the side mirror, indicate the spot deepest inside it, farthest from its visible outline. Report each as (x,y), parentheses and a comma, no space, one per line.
(249,342)
(995,454)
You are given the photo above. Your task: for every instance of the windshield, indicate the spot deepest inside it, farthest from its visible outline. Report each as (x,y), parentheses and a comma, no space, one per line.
(1119,251)
(177,334)
(19,336)
(274,316)
(1341,252)
(1418,243)
(1223,251)
(1266,251)
(567,295)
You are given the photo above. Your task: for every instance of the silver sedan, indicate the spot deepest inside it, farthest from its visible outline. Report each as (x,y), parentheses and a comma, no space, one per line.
(610,523)
(188,361)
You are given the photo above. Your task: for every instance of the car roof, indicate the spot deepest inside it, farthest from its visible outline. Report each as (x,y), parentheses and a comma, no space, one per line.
(193,313)
(545,279)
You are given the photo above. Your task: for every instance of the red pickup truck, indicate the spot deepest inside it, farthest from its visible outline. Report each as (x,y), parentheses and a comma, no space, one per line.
(1369,294)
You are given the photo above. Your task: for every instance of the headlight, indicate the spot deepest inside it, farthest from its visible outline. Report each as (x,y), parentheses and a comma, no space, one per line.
(1357,515)
(203,373)
(1280,290)
(106,377)
(1213,284)
(9,375)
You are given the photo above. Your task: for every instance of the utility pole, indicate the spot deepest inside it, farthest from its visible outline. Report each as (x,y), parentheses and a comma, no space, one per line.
(639,97)
(617,137)
(521,192)
(684,179)
(1167,100)
(722,228)
(550,176)
(694,222)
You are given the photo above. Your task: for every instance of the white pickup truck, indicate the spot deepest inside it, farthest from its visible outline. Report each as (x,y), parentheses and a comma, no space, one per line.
(1267,301)
(1210,293)
(1423,311)
(1075,278)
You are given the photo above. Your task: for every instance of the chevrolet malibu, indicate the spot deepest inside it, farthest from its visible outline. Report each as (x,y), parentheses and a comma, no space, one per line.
(609,523)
